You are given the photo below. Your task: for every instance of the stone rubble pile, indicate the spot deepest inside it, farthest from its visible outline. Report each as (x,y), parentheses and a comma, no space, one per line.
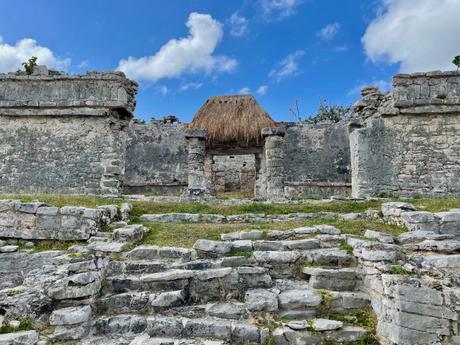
(307,285)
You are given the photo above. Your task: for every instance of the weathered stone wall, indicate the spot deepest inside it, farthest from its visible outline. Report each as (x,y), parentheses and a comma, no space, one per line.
(156,158)
(234,172)
(407,143)
(64,134)
(317,159)
(40,221)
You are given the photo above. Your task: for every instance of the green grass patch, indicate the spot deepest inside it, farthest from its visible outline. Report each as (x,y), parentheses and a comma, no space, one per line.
(234,195)
(25,325)
(245,253)
(47,245)
(142,207)
(15,291)
(346,247)
(185,235)
(401,270)
(435,205)
(364,318)
(65,200)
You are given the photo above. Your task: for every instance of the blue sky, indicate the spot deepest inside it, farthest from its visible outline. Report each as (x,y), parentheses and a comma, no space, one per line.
(278,50)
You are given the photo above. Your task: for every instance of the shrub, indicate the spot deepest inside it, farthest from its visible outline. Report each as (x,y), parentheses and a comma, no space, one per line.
(29,65)
(456,61)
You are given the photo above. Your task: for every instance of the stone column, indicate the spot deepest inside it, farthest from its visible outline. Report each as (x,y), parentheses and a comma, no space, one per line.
(274,162)
(196,141)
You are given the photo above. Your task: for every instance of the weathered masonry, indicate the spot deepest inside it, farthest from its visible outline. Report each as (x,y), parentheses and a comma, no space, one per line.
(407,142)
(75,135)
(64,134)
(244,150)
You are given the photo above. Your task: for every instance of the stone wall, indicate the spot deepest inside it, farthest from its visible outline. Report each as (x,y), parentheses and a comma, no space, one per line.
(64,134)
(156,158)
(37,220)
(406,143)
(317,160)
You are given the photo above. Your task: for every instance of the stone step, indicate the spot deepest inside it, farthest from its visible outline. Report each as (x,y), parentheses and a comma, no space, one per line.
(140,302)
(443,246)
(147,252)
(202,285)
(289,336)
(234,332)
(280,235)
(337,279)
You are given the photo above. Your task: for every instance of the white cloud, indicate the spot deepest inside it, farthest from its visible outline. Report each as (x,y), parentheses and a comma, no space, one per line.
(383,86)
(287,67)
(245,90)
(83,64)
(190,54)
(421,35)
(12,56)
(278,9)
(329,31)
(190,86)
(162,90)
(238,25)
(262,90)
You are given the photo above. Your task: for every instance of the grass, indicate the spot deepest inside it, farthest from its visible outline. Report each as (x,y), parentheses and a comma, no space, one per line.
(401,270)
(364,318)
(244,253)
(435,205)
(234,195)
(46,245)
(185,235)
(143,207)
(25,325)
(347,248)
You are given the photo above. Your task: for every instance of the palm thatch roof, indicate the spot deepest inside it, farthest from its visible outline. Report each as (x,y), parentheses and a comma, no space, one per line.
(232,121)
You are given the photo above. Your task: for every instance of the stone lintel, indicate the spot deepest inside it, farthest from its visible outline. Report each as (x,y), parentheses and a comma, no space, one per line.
(271,131)
(195,133)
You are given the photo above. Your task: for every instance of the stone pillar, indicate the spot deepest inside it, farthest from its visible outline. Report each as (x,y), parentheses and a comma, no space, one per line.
(196,142)
(274,162)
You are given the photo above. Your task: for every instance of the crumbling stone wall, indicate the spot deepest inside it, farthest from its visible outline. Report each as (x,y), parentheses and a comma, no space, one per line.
(156,159)
(406,143)
(64,134)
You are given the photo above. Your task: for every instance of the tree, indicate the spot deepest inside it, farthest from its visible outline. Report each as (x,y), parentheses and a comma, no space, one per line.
(29,65)
(456,61)
(326,114)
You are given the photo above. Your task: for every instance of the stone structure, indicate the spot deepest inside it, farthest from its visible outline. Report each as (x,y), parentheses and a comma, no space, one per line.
(196,153)
(406,143)
(110,291)
(37,220)
(64,134)
(73,135)
(156,158)
(274,162)
(317,160)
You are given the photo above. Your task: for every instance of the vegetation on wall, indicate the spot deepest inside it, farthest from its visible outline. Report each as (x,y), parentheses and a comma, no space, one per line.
(29,65)
(456,61)
(326,114)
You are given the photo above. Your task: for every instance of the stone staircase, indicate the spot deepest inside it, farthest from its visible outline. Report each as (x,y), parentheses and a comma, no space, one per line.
(248,288)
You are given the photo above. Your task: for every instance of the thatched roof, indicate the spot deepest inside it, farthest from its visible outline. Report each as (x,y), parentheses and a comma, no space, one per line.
(232,121)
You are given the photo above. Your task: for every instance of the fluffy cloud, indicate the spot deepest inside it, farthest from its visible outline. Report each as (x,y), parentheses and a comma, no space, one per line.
(12,56)
(262,90)
(329,31)
(421,35)
(190,54)
(287,67)
(238,25)
(278,9)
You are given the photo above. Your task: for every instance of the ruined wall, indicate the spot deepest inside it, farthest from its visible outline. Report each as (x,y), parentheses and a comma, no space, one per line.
(407,143)
(317,160)
(64,134)
(156,158)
